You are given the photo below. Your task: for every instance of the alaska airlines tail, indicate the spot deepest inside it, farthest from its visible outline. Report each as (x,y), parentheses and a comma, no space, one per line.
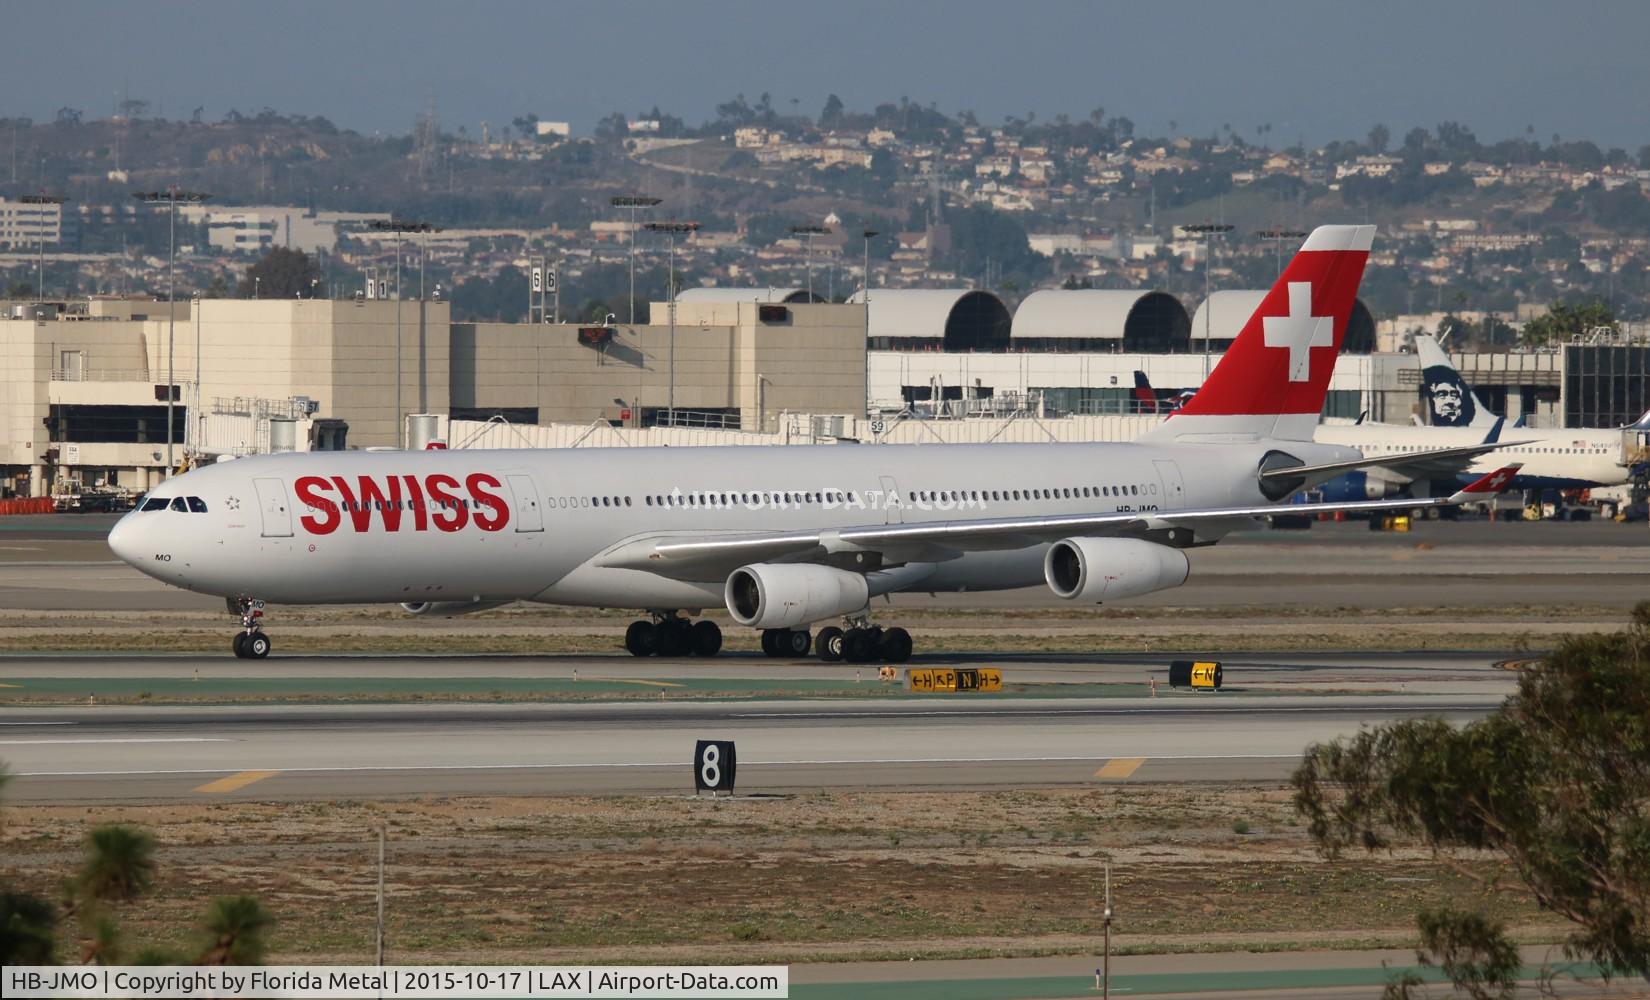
(1272,381)
(1451,402)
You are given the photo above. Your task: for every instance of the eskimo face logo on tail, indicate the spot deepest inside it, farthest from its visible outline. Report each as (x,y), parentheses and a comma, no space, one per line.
(1449,403)
(401,503)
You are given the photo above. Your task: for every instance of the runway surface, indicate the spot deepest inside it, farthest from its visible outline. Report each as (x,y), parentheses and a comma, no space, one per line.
(1383,667)
(375,751)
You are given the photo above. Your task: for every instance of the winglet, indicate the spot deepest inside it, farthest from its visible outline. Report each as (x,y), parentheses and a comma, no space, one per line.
(1488,486)
(1495,431)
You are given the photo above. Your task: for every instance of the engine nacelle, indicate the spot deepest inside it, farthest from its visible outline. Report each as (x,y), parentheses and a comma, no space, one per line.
(1360,485)
(1105,569)
(785,595)
(449,609)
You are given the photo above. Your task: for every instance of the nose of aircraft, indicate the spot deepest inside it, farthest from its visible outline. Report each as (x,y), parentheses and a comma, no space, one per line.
(123,540)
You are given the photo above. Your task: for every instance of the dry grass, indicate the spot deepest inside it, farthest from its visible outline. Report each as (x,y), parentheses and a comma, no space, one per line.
(821,876)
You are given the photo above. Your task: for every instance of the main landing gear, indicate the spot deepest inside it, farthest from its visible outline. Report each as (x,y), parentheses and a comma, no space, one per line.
(250,642)
(861,642)
(864,643)
(668,635)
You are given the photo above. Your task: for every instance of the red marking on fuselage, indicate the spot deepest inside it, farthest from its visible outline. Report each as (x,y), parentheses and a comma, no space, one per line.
(438,500)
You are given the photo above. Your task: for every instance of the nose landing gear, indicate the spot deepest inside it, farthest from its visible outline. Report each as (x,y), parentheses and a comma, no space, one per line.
(250,642)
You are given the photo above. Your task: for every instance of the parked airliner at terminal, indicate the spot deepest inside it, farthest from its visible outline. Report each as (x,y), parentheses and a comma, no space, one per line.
(786,538)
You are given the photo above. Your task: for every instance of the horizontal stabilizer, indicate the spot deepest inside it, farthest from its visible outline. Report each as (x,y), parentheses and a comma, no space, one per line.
(1487,487)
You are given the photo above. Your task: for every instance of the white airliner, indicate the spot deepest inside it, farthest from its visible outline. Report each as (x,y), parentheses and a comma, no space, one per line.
(785,537)
(1465,440)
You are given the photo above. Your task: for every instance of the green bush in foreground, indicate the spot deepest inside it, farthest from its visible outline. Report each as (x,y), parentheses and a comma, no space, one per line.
(1556,781)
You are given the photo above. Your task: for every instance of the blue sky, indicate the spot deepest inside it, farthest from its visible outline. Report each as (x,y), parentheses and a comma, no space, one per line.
(1313,70)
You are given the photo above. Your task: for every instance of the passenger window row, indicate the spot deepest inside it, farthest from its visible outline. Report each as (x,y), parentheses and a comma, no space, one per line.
(789,498)
(1051,493)
(778,498)
(569,502)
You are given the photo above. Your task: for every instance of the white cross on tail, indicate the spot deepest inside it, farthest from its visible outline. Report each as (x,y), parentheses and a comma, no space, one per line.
(1300,331)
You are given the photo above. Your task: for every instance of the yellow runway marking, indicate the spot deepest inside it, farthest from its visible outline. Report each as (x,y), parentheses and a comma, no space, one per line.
(1119,768)
(626,680)
(235,781)
(10,685)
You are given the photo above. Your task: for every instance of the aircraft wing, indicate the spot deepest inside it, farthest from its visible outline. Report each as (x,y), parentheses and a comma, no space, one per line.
(711,557)
(1439,463)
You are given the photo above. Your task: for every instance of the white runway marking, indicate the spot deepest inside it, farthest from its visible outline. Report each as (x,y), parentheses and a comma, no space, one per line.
(115,739)
(651,763)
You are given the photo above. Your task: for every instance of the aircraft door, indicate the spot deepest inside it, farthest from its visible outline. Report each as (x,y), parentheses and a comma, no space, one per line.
(893,504)
(529,516)
(273,508)
(1174,487)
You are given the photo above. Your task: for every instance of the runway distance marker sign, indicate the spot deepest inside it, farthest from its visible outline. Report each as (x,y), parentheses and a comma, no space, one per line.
(713,766)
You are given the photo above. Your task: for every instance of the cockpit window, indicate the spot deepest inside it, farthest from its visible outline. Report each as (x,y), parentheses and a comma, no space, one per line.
(179,505)
(197,505)
(155,503)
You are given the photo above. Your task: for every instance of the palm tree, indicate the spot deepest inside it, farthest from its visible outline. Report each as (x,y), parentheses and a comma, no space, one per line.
(235,928)
(27,924)
(120,863)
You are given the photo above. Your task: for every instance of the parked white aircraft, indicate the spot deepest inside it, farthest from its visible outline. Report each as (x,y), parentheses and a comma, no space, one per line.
(785,537)
(1464,442)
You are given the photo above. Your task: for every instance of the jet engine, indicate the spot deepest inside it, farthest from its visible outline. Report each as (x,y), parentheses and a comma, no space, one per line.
(1369,484)
(785,595)
(1105,569)
(449,609)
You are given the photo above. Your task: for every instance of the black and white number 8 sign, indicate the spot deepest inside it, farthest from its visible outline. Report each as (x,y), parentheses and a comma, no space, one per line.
(713,766)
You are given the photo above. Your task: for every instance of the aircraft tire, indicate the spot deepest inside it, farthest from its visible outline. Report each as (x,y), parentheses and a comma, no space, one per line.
(795,642)
(770,641)
(828,644)
(894,645)
(707,638)
(638,638)
(239,645)
(257,646)
(860,645)
(671,638)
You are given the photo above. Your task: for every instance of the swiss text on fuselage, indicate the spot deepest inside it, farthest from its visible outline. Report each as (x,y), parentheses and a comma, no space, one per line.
(401,503)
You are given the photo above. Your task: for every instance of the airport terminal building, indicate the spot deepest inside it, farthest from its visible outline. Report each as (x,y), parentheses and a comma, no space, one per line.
(84,390)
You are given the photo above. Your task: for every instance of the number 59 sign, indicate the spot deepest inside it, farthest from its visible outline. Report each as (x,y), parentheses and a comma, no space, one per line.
(713,765)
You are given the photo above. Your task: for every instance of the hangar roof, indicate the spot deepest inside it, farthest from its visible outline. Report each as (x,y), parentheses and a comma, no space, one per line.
(716,294)
(1096,313)
(964,318)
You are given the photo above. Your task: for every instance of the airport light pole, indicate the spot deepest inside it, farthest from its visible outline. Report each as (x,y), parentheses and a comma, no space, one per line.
(1207,230)
(399,227)
(200,409)
(1278,236)
(810,232)
(633,202)
(40,235)
(170,198)
(672,229)
(1106,917)
(867,234)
